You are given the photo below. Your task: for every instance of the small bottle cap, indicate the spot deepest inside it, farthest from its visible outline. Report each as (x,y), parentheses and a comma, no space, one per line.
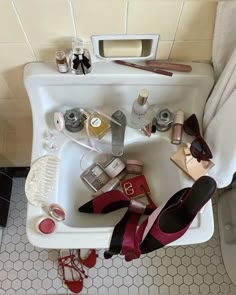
(46,225)
(179,118)
(143,96)
(60,54)
(56,212)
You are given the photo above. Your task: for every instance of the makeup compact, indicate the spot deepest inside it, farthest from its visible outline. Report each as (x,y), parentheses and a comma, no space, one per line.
(46,225)
(95,177)
(114,167)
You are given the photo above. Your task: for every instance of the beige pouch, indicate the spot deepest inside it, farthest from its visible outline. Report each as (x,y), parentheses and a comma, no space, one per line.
(184,160)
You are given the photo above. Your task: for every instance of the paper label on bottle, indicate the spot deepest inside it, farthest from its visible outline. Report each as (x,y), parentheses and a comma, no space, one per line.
(96,122)
(62,68)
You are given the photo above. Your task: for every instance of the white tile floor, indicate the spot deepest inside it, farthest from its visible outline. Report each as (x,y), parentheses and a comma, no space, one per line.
(195,269)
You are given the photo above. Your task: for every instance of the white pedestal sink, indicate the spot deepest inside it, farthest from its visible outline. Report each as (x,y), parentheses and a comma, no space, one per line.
(108,88)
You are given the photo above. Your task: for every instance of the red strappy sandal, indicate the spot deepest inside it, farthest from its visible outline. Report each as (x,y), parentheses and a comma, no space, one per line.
(70,272)
(89,260)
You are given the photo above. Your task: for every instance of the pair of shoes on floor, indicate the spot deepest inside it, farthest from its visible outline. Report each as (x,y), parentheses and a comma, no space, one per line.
(71,267)
(165,224)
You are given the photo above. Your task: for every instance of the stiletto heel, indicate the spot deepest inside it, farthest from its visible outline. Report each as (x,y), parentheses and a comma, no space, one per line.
(173,220)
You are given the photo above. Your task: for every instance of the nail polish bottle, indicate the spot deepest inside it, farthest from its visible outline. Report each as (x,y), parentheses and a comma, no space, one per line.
(177,128)
(139,110)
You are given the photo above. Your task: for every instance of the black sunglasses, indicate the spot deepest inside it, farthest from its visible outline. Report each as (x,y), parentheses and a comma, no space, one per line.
(199,148)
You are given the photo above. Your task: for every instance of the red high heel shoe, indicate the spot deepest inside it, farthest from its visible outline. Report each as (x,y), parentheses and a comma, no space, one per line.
(90,259)
(169,223)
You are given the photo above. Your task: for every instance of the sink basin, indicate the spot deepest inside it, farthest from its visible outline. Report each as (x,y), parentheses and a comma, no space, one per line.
(108,88)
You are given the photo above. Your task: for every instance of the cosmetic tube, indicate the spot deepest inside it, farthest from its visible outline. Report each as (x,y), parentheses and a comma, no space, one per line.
(177,128)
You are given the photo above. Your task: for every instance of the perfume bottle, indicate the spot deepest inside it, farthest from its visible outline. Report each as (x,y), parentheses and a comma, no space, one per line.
(139,110)
(98,125)
(61,61)
(80,58)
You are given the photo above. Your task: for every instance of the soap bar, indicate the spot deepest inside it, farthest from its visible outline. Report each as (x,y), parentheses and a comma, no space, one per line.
(122,48)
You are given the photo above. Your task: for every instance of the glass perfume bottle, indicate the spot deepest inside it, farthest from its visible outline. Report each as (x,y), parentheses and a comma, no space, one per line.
(98,125)
(80,58)
(61,61)
(139,110)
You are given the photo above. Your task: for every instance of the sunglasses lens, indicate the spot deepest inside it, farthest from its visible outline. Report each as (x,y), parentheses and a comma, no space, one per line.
(200,150)
(191,126)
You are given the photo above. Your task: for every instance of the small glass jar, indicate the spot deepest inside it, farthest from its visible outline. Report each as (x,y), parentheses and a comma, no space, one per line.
(61,61)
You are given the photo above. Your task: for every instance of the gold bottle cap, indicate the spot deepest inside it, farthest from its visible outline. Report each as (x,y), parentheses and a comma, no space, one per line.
(143,96)
(85,113)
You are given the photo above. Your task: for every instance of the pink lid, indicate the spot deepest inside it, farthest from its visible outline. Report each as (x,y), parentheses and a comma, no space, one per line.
(134,162)
(47,226)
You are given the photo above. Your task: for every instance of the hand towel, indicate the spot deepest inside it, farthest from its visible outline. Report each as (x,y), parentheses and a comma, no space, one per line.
(224,40)
(219,123)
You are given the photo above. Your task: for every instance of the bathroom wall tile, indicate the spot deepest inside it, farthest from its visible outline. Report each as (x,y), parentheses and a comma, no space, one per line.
(46,21)
(191,51)
(46,52)
(9,20)
(11,66)
(16,134)
(103,17)
(197,21)
(15,54)
(163,50)
(5,92)
(154,17)
(13,77)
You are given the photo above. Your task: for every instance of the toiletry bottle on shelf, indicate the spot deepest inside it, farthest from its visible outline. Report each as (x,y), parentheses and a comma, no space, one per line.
(80,58)
(139,110)
(61,61)
(177,128)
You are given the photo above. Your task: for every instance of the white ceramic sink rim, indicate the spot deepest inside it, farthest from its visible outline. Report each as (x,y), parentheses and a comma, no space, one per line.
(39,75)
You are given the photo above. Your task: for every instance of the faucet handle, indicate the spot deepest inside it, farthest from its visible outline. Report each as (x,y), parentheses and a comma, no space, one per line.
(118,133)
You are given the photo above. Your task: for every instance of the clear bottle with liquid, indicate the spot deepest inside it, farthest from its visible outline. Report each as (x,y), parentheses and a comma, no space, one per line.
(80,62)
(139,110)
